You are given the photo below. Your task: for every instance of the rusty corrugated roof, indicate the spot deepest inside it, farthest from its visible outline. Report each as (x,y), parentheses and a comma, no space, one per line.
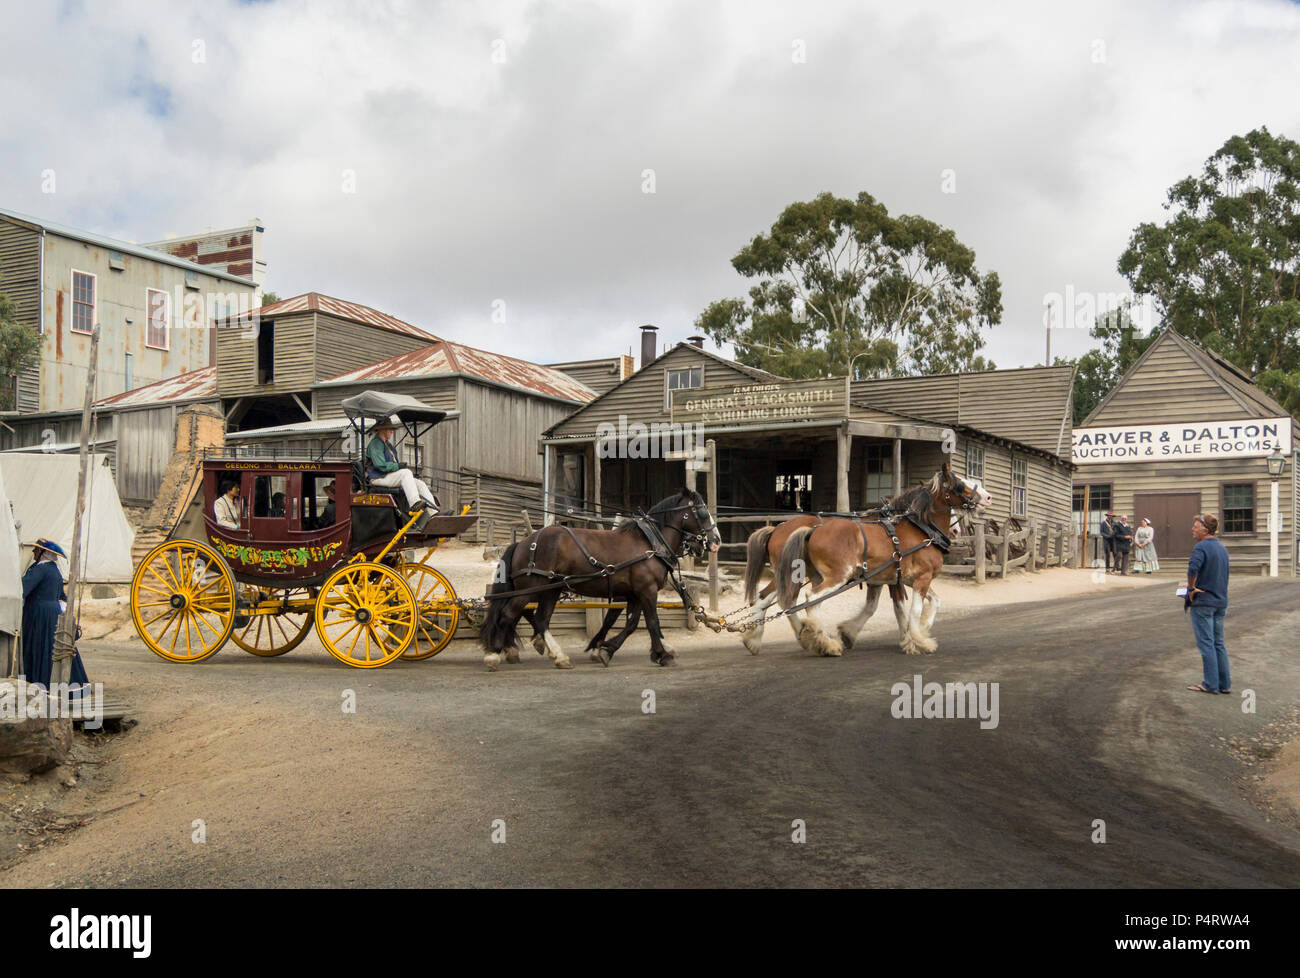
(445,357)
(183,387)
(355,311)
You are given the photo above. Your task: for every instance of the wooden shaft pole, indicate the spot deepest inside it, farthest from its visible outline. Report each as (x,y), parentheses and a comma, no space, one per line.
(65,633)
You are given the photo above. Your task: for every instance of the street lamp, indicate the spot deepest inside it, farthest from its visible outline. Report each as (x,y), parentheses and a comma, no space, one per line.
(1276,466)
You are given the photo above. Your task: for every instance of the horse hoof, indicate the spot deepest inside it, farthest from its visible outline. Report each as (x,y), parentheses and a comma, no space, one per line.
(539,644)
(846,640)
(602,657)
(512,656)
(492,661)
(753,645)
(596,655)
(563,664)
(668,660)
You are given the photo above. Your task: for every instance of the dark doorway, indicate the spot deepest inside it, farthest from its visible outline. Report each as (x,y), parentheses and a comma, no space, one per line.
(1171,516)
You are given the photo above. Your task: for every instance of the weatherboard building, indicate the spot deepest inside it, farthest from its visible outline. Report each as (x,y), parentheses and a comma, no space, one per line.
(1185,432)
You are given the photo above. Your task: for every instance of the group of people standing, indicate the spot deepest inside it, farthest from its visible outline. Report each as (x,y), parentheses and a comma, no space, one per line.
(1128,546)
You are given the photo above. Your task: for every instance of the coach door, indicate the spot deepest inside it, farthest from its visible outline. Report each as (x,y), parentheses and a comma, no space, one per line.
(1171,516)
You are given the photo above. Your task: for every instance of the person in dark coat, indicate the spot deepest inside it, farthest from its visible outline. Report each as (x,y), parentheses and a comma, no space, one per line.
(1123,544)
(42,594)
(1108,538)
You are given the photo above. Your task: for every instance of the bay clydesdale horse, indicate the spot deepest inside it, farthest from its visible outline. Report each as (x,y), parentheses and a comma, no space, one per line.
(626,563)
(823,553)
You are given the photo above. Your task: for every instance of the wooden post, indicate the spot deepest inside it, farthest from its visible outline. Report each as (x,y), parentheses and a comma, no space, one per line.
(1004,549)
(898,466)
(595,478)
(548,473)
(478,495)
(978,528)
(842,447)
(65,633)
(1033,545)
(711,482)
(1060,544)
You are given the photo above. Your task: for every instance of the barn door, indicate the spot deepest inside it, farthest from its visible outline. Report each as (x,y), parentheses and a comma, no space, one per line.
(1171,516)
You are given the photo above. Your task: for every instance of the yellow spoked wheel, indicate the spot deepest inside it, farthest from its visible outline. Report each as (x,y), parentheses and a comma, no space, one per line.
(435,600)
(365,615)
(183,601)
(271,635)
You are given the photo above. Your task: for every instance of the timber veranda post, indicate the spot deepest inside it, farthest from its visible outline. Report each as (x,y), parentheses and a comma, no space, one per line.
(65,633)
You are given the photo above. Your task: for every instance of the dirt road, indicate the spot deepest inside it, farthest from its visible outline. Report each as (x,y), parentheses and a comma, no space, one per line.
(1094,723)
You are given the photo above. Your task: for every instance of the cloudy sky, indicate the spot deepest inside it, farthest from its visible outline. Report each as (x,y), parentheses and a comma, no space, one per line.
(497,150)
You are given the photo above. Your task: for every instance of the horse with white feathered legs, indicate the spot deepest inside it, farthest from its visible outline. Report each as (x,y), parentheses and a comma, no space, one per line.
(897,546)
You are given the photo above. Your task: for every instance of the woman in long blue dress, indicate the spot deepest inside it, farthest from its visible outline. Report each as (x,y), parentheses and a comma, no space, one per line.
(42,592)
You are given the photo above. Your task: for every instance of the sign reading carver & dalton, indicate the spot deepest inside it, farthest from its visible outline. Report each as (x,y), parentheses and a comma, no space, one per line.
(822,399)
(1180,442)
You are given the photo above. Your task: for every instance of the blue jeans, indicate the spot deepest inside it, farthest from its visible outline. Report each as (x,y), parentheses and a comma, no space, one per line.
(1207,623)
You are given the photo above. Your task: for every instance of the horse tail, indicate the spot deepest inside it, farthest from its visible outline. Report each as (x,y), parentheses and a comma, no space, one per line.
(496,633)
(756,559)
(794,555)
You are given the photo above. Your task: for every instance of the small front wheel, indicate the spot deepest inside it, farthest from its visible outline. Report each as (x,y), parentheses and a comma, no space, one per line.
(435,600)
(365,615)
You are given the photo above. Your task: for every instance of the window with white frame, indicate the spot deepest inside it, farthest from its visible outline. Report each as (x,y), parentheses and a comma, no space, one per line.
(682,379)
(1019,487)
(158,305)
(974,460)
(83,302)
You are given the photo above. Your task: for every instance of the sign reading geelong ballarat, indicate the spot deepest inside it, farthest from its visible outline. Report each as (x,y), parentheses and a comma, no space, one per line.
(1177,442)
(824,399)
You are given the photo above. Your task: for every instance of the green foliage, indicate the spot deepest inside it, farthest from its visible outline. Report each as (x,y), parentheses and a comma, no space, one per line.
(269,297)
(841,283)
(1225,268)
(20,347)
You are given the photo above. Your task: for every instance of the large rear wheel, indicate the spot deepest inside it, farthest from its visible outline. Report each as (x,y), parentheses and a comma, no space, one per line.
(435,600)
(365,615)
(183,601)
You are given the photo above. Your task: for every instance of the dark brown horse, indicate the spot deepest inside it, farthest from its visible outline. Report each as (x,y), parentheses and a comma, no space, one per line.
(629,563)
(821,558)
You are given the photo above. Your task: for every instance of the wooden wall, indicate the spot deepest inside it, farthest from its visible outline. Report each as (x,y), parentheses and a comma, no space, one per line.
(20,279)
(343,346)
(642,397)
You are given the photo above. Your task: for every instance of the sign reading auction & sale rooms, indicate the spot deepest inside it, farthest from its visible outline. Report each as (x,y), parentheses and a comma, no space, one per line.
(823,399)
(1180,442)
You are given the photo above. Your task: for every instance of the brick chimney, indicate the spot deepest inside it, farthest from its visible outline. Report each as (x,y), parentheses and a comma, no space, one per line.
(649,343)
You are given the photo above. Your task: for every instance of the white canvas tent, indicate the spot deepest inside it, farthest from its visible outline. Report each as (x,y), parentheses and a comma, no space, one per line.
(11,569)
(43,489)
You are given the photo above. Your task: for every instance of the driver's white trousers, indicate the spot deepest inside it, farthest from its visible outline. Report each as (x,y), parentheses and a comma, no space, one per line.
(403,479)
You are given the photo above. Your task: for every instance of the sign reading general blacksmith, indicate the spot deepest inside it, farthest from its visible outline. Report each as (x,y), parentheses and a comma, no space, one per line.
(823,399)
(1178,442)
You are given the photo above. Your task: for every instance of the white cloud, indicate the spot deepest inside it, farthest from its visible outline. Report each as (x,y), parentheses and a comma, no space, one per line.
(522,180)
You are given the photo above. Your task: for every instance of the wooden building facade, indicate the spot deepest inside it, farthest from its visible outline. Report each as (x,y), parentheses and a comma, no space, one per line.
(826,445)
(1186,432)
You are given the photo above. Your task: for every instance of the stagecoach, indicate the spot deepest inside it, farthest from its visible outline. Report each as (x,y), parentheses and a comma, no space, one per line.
(292,564)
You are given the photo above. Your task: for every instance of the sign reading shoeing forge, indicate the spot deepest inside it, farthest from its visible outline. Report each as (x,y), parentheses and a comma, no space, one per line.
(1182,442)
(823,399)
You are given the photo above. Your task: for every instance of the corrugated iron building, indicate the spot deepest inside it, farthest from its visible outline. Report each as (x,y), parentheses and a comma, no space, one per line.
(154,310)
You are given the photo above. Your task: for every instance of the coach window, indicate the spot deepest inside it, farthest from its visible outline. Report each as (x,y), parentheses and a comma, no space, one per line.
(1019,487)
(974,461)
(1239,508)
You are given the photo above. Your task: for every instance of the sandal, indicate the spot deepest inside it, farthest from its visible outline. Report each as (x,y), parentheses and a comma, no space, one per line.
(1201,688)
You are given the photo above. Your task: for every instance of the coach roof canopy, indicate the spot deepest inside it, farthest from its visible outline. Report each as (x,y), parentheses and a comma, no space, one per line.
(378,405)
